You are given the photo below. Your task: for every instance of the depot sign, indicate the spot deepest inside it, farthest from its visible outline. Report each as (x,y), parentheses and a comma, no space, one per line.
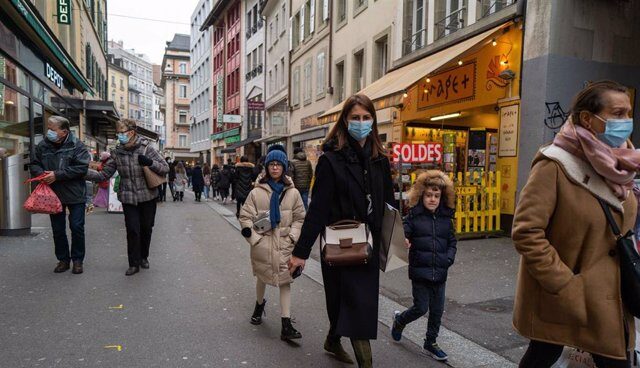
(416,153)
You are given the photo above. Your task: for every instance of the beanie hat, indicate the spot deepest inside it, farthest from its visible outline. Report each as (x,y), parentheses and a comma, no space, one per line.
(277,147)
(277,155)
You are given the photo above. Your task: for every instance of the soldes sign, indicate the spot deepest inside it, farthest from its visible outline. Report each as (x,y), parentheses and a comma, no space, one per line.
(415,153)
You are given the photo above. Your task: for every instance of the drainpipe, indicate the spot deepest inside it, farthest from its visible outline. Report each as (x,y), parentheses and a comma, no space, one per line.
(330,62)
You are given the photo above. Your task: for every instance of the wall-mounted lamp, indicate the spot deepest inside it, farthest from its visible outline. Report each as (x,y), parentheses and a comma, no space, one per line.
(428,80)
(460,62)
(405,94)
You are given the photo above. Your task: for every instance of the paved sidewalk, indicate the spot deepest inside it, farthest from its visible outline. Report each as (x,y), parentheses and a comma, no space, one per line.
(477,328)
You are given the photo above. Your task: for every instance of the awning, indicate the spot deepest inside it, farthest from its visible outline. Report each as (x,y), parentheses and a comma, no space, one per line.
(225,134)
(308,135)
(388,90)
(235,146)
(101,116)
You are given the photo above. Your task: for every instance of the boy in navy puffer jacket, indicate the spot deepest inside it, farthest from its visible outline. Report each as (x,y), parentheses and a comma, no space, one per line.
(432,249)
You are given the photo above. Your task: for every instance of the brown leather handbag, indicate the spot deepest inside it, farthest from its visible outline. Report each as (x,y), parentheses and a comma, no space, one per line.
(152,179)
(346,243)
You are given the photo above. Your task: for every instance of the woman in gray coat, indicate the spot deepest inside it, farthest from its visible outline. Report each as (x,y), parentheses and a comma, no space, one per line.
(138,201)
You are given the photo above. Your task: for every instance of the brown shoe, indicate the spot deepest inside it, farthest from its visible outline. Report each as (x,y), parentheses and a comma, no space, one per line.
(77,268)
(61,267)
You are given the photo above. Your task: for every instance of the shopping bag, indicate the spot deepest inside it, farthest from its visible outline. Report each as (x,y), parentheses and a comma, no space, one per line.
(393,253)
(574,358)
(102,198)
(43,199)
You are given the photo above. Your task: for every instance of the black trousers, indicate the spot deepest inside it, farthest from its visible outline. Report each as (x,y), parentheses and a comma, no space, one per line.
(544,355)
(239,204)
(139,221)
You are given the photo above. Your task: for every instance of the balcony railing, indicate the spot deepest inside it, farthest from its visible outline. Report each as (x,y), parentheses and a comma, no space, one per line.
(451,23)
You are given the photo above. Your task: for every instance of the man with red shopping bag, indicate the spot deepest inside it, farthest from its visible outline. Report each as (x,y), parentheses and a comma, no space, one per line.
(64,161)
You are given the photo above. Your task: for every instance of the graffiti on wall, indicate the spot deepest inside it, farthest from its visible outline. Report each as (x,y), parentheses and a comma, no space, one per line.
(556,116)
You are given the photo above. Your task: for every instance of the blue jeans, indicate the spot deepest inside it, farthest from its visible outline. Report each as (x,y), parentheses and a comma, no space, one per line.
(305,199)
(76,224)
(427,297)
(206,191)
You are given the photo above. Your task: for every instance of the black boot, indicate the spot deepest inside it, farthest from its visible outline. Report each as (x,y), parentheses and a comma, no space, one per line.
(332,345)
(362,349)
(258,311)
(288,332)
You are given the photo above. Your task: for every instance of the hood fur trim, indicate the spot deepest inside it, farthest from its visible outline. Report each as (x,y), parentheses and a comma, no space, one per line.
(245,164)
(418,188)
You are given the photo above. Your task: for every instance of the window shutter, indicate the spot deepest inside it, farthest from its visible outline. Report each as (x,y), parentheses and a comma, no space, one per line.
(312,16)
(325,10)
(302,24)
(290,34)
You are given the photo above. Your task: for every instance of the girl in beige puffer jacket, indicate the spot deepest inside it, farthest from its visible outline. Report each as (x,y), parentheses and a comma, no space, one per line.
(271,249)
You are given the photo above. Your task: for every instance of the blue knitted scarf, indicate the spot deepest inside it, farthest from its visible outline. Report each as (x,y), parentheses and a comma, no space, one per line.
(274,205)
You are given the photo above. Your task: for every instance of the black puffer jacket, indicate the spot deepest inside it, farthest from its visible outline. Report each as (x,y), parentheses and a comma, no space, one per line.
(301,172)
(70,163)
(433,243)
(244,178)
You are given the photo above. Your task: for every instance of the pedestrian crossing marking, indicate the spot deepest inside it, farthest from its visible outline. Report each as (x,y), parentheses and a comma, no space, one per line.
(118,347)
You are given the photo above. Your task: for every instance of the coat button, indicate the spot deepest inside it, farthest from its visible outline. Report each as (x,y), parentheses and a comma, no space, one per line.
(612,253)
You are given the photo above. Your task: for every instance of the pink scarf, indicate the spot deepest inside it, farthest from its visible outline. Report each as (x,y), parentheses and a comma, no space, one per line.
(617,166)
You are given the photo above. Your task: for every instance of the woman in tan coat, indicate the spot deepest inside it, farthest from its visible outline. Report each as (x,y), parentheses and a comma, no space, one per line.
(568,291)
(279,205)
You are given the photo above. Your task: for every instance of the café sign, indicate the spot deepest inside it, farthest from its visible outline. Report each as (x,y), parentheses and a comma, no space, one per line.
(454,85)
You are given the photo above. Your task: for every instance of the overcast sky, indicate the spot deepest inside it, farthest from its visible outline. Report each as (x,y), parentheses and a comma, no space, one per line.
(149,37)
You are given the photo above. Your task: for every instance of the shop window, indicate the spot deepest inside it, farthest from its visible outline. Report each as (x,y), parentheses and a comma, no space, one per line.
(14,114)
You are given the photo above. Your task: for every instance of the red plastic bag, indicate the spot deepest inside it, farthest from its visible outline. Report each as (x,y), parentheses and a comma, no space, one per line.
(43,199)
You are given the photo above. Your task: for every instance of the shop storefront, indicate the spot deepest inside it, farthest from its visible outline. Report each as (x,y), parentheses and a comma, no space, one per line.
(223,141)
(457,110)
(311,138)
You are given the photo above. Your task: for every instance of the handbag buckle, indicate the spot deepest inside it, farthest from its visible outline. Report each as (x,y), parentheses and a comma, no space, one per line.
(346,243)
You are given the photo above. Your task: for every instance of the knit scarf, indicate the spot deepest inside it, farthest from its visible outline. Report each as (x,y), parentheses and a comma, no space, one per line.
(274,204)
(617,166)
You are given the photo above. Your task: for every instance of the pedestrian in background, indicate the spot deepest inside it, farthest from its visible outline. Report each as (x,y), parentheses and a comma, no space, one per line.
(270,250)
(568,290)
(180,182)
(162,189)
(232,178)
(244,179)
(206,173)
(301,172)
(101,198)
(353,181)
(431,240)
(215,181)
(197,181)
(224,184)
(138,201)
(189,171)
(65,160)
(171,177)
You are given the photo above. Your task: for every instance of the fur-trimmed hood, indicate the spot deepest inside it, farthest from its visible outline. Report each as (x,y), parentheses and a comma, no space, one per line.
(418,188)
(245,164)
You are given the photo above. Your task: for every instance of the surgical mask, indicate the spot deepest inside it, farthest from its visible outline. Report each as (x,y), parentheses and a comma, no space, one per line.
(123,138)
(52,136)
(616,131)
(359,130)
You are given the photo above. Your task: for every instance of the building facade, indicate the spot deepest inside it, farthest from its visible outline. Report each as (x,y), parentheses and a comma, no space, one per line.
(200,80)
(254,79)
(310,41)
(119,86)
(276,15)
(176,70)
(158,117)
(225,22)
(140,83)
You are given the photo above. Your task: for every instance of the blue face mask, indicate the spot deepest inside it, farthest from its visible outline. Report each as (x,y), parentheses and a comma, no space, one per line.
(359,130)
(52,136)
(616,132)
(123,138)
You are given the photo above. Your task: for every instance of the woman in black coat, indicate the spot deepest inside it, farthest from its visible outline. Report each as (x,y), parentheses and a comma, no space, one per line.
(353,181)
(197,181)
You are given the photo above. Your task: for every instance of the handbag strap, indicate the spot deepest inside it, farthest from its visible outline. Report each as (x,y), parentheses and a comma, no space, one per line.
(610,219)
